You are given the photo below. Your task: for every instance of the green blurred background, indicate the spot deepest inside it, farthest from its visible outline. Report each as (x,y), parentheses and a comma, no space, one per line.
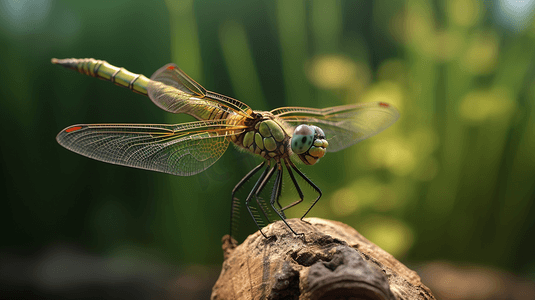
(453,179)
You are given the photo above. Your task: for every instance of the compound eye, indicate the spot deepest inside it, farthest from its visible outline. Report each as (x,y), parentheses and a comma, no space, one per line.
(304,130)
(319,132)
(302,139)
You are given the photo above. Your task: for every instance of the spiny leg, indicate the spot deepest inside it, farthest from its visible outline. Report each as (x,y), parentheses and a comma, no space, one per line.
(263,185)
(279,192)
(266,174)
(311,184)
(256,193)
(277,187)
(235,205)
(259,200)
(301,197)
(276,192)
(261,205)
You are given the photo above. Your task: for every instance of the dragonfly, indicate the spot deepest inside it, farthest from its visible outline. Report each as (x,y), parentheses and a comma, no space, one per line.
(282,137)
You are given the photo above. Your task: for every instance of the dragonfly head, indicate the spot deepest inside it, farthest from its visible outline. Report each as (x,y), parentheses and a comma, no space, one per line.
(309,143)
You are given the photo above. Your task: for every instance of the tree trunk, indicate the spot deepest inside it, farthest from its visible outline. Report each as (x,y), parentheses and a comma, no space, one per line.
(331,261)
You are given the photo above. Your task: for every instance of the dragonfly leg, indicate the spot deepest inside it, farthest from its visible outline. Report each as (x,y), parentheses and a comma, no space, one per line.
(278,197)
(317,189)
(301,197)
(273,196)
(263,181)
(235,207)
(275,193)
(279,193)
(268,172)
(277,187)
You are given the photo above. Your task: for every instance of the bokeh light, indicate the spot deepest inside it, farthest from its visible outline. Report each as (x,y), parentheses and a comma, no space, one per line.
(393,235)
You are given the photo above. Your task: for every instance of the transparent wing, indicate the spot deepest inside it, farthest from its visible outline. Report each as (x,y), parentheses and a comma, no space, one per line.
(343,125)
(183,149)
(174,91)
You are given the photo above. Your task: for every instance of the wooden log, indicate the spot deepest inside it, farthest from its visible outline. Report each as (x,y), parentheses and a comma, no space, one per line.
(331,261)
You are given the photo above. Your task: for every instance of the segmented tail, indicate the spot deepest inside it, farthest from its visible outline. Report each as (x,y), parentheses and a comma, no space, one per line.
(103,70)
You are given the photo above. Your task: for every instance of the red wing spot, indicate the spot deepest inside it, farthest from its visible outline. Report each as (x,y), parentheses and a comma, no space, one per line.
(384,104)
(73,129)
(171,68)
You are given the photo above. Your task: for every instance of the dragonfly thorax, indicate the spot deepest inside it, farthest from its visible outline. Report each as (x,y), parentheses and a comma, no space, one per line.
(265,137)
(309,143)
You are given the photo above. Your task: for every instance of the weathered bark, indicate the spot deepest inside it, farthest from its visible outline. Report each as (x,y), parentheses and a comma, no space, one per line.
(331,261)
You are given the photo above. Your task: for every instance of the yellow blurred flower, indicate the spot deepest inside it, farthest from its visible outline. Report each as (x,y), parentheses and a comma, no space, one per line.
(463,12)
(482,53)
(418,21)
(448,44)
(361,193)
(395,154)
(483,105)
(332,71)
(344,202)
(392,235)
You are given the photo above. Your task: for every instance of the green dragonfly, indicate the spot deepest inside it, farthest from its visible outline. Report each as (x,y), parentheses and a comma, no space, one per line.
(280,136)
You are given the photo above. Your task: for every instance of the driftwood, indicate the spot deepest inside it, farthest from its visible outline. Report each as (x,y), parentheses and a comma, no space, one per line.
(331,261)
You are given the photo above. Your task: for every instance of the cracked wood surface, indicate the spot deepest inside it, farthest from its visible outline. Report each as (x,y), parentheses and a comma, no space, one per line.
(331,261)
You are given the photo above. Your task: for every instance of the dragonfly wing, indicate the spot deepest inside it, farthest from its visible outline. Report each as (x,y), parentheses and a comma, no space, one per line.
(174,91)
(343,125)
(183,149)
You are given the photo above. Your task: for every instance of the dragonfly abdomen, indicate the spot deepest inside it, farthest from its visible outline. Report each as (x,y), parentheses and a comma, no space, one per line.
(103,70)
